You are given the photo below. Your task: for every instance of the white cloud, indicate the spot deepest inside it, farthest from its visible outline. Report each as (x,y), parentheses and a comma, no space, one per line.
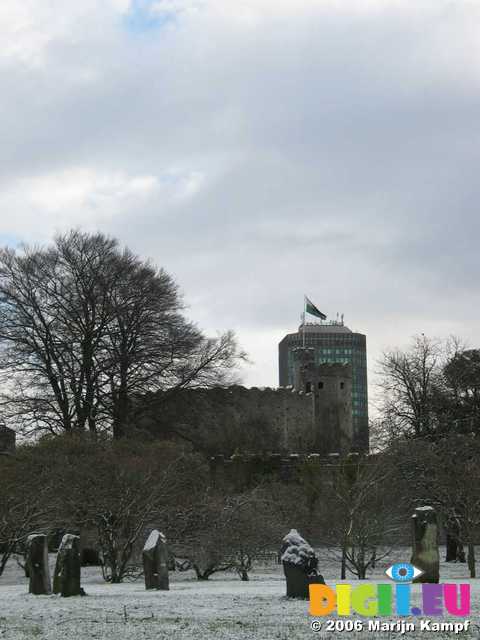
(78,196)
(28,28)
(82,196)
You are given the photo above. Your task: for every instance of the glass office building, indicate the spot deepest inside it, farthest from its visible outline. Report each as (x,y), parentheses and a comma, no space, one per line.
(333,342)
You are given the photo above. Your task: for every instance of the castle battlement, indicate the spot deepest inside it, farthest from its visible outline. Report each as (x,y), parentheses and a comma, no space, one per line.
(313,416)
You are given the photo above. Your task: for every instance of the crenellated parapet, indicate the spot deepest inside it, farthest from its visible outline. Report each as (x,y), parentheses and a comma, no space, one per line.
(312,416)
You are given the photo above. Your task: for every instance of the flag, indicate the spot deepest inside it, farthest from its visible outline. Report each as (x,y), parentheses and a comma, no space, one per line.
(312,309)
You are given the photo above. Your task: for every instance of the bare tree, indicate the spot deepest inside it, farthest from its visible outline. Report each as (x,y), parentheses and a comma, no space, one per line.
(362,526)
(226,533)
(86,330)
(462,390)
(53,312)
(23,504)
(445,474)
(113,492)
(408,381)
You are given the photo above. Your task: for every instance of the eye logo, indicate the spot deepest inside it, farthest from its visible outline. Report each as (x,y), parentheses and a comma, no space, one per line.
(403,572)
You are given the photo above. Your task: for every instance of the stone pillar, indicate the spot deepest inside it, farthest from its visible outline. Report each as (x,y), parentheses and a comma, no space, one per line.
(37,564)
(425,555)
(155,561)
(66,579)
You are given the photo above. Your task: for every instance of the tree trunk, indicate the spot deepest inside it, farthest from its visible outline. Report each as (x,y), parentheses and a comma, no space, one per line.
(361,566)
(121,402)
(202,575)
(451,548)
(3,561)
(471,560)
(343,573)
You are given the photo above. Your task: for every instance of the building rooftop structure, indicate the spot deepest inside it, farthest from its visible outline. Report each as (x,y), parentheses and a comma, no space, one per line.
(332,326)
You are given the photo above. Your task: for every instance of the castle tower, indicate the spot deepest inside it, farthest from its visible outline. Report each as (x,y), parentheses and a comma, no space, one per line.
(330,386)
(332,342)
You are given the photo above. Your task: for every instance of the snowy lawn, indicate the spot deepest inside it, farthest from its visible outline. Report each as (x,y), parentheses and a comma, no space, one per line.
(219,609)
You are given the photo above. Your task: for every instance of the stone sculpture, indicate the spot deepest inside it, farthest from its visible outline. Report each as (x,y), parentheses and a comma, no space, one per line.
(299,565)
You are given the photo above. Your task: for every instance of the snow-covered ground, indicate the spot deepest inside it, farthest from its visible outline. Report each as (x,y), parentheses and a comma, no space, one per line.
(221,608)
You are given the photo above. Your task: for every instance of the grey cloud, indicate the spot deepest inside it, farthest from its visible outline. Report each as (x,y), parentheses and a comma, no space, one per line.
(338,156)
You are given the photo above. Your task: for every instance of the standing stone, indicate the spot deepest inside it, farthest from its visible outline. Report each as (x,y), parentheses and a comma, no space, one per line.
(425,555)
(299,565)
(37,563)
(155,561)
(454,547)
(66,579)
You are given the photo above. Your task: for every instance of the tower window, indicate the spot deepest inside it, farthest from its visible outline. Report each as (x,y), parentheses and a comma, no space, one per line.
(308,387)
(320,385)
(342,385)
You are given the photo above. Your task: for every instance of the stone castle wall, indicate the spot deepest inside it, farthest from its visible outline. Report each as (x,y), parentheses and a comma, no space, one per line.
(313,417)
(235,417)
(288,413)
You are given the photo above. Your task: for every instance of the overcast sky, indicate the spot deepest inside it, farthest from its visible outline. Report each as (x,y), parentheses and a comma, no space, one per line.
(258,150)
